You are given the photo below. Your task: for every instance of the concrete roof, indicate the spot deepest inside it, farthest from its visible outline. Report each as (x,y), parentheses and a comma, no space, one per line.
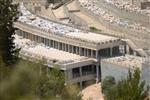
(91,36)
(126,61)
(40,51)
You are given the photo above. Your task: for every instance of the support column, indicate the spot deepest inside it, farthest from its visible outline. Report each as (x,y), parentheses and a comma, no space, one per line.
(97,73)
(80,68)
(92,53)
(54,44)
(65,47)
(76,50)
(111,52)
(127,49)
(80,51)
(96,54)
(68,48)
(81,85)
(84,51)
(58,45)
(66,76)
(72,49)
(49,42)
(87,53)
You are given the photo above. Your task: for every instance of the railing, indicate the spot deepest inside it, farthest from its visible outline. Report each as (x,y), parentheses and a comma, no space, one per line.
(88,73)
(77,75)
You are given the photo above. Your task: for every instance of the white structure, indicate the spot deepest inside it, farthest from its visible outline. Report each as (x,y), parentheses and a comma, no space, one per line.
(118,67)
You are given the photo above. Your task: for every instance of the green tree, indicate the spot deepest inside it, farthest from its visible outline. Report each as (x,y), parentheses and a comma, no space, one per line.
(108,82)
(51,83)
(131,88)
(28,82)
(8,13)
(21,82)
(71,92)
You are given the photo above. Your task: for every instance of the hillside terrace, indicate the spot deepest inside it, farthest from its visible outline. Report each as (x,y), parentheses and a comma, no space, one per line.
(93,7)
(61,29)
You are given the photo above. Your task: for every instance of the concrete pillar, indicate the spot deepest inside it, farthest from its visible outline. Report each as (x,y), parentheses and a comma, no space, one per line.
(72,47)
(66,76)
(111,52)
(92,53)
(61,46)
(87,52)
(64,46)
(97,73)
(96,54)
(80,71)
(127,49)
(80,51)
(58,45)
(69,74)
(76,50)
(49,43)
(81,85)
(54,44)
(69,48)
(84,51)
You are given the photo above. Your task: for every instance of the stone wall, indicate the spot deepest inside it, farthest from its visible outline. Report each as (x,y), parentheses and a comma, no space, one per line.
(77,21)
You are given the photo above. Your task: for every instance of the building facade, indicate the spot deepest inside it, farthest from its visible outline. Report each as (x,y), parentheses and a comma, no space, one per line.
(86,49)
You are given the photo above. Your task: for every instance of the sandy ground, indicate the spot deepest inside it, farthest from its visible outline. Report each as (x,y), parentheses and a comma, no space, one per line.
(59,13)
(92,92)
(72,6)
(90,21)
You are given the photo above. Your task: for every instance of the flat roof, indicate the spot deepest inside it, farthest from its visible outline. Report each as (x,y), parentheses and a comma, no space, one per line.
(41,51)
(61,29)
(128,61)
(91,36)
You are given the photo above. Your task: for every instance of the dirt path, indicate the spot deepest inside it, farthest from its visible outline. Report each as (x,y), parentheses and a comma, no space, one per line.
(92,92)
